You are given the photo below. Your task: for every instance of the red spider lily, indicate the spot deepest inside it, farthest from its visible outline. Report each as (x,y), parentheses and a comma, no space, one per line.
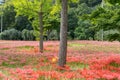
(102,65)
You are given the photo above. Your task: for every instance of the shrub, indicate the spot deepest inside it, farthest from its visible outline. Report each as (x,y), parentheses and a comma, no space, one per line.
(53,35)
(114,37)
(11,34)
(28,35)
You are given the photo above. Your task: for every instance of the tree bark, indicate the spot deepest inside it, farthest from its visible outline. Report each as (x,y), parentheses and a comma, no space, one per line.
(41,29)
(63,35)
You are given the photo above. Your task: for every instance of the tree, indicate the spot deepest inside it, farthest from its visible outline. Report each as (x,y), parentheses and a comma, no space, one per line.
(106,18)
(90,3)
(33,8)
(113,2)
(8,16)
(84,30)
(72,22)
(63,34)
(22,22)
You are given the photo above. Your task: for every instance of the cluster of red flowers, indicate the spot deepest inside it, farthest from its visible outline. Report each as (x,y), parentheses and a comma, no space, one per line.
(106,69)
(100,65)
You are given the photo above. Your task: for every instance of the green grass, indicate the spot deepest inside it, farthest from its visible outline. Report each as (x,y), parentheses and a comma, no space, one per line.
(14,65)
(93,48)
(114,64)
(26,47)
(5,49)
(77,65)
(76,45)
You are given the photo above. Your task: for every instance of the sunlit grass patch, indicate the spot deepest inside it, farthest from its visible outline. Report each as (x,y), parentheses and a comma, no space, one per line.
(76,45)
(25,47)
(77,65)
(104,49)
(12,64)
(4,48)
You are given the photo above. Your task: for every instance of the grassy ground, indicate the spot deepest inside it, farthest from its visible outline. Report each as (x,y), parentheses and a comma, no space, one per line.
(86,60)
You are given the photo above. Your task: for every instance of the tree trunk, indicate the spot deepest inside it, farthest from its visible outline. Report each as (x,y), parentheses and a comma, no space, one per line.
(63,35)
(41,30)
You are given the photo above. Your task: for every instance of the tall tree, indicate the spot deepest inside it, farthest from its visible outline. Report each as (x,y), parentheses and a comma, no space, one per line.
(33,8)
(63,34)
(41,27)
(8,16)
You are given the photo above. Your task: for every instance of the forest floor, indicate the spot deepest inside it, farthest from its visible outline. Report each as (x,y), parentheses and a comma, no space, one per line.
(86,60)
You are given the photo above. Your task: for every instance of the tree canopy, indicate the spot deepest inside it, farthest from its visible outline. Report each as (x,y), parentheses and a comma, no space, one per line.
(85,17)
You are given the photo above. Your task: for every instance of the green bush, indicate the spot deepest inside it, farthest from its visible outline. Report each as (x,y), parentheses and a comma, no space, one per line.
(108,35)
(80,34)
(53,35)
(11,34)
(114,37)
(28,35)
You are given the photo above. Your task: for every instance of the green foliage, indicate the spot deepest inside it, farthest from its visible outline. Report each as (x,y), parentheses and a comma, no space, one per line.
(85,18)
(114,37)
(31,9)
(28,35)
(22,22)
(11,34)
(8,17)
(53,35)
(52,23)
(72,22)
(106,18)
(83,9)
(109,33)
(113,1)
(83,30)
(91,3)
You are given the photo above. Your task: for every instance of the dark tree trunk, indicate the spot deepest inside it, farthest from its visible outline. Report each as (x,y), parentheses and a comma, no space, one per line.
(41,29)
(63,35)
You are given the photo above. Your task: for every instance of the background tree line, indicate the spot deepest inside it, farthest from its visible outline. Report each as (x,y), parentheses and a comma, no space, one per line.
(86,19)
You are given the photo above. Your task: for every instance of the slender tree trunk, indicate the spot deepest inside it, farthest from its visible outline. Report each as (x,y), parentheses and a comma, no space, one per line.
(1,22)
(102,31)
(102,4)
(63,35)
(41,29)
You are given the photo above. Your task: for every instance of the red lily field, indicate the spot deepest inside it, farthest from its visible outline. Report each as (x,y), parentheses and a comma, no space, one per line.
(86,60)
